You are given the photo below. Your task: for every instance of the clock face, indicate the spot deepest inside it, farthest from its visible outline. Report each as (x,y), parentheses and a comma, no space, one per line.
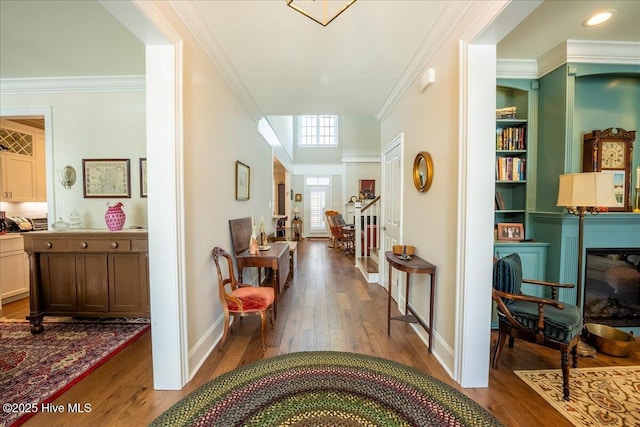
(613,154)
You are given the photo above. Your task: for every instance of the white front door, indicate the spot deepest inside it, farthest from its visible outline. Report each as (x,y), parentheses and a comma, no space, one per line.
(392,187)
(318,193)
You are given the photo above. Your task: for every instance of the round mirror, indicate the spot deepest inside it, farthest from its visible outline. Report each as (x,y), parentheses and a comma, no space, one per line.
(68,177)
(422,171)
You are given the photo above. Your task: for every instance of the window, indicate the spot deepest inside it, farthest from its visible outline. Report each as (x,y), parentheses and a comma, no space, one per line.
(318,190)
(317,130)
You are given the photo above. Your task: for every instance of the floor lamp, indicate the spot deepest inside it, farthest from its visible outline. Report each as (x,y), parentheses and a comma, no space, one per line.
(581,193)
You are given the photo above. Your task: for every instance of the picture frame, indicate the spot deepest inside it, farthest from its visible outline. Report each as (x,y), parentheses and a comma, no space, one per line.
(243,181)
(298,197)
(510,231)
(368,188)
(143,177)
(619,190)
(106,178)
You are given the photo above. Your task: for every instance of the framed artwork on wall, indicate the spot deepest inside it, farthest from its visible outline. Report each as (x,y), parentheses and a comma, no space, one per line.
(298,197)
(106,178)
(143,177)
(368,188)
(243,181)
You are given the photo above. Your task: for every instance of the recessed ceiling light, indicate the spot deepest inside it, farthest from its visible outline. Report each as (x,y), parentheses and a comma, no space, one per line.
(599,18)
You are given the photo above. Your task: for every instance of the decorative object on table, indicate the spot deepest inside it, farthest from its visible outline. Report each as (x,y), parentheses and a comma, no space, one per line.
(636,207)
(253,241)
(115,217)
(403,249)
(323,11)
(510,231)
(296,214)
(423,171)
(243,181)
(326,388)
(602,396)
(581,193)
(368,188)
(353,199)
(143,177)
(106,178)
(39,368)
(67,176)
(610,151)
(75,220)
(263,235)
(60,225)
(298,197)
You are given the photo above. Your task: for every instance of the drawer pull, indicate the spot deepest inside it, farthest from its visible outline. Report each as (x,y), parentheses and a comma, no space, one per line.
(49,245)
(114,245)
(83,245)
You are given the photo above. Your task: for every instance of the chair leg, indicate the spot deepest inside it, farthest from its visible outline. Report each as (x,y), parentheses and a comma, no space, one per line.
(511,341)
(225,332)
(263,317)
(502,337)
(565,374)
(574,354)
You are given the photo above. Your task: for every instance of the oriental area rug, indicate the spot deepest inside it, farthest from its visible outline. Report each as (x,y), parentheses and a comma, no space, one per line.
(36,369)
(326,389)
(607,396)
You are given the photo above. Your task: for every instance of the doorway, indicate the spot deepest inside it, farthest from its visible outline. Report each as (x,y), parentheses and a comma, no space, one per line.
(318,194)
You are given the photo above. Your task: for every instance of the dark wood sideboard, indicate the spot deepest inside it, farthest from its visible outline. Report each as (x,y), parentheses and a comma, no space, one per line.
(88,273)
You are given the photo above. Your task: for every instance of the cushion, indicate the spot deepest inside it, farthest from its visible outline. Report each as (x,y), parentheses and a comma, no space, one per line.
(507,275)
(559,325)
(254,298)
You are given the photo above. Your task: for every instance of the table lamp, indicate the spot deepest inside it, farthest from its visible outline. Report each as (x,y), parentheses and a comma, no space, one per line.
(581,193)
(296,214)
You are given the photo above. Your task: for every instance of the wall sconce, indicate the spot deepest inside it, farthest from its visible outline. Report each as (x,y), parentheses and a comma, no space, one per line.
(67,177)
(428,77)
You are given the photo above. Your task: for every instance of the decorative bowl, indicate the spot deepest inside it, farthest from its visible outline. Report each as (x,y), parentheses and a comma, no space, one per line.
(609,340)
(399,250)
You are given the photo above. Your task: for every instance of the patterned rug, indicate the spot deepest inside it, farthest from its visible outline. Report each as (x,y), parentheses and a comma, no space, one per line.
(607,396)
(36,369)
(326,389)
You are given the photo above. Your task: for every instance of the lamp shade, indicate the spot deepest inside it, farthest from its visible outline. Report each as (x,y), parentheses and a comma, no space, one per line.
(295,210)
(590,189)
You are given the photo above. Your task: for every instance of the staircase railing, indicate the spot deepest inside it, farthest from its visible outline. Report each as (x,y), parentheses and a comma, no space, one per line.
(366,235)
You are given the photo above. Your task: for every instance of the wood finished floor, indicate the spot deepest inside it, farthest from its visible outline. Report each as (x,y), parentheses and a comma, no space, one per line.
(328,306)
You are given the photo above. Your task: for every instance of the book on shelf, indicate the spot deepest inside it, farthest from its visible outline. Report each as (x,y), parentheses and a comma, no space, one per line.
(506,113)
(499,201)
(510,169)
(511,138)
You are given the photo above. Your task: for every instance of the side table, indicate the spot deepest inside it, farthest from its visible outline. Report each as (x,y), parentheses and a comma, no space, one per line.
(414,265)
(296,228)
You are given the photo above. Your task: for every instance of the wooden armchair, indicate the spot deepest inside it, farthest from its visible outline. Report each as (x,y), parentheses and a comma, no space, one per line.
(542,321)
(243,300)
(335,221)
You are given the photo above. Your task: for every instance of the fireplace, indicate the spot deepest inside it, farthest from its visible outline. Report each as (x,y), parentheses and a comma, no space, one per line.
(612,287)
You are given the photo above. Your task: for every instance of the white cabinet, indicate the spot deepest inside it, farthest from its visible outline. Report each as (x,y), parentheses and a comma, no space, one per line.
(22,163)
(14,268)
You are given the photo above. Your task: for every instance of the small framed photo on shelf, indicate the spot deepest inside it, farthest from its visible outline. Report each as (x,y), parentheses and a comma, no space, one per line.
(243,181)
(143,177)
(106,178)
(510,231)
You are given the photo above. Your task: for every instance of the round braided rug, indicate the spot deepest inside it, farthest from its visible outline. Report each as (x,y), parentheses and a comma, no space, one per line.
(326,389)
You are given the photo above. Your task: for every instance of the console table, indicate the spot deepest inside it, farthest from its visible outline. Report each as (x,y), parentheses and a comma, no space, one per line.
(418,266)
(87,273)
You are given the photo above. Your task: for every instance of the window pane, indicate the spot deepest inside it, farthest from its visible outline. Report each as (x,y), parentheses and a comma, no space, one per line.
(317,130)
(317,205)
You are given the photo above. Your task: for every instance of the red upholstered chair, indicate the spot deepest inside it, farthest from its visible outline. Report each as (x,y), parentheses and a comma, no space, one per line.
(243,300)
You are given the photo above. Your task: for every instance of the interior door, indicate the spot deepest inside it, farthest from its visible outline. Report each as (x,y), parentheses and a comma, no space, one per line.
(391,208)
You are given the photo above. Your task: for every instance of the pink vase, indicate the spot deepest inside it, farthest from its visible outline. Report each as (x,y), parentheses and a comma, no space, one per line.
(115,217)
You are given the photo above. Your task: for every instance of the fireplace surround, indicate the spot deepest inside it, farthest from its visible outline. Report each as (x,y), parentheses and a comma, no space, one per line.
(612,286)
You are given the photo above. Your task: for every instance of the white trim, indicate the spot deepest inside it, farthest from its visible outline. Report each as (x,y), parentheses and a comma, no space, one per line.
(517,69)
(72,84)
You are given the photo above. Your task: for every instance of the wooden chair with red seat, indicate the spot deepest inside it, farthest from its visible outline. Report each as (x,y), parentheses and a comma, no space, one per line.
(243,300)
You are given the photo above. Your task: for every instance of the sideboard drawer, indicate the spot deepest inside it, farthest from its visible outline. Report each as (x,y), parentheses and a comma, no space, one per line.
(102,245)
(48,245)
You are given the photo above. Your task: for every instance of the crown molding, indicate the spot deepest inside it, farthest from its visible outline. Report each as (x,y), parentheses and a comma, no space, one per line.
(190,15)
(448,17)
(592,52)
(517,69)
(39,85)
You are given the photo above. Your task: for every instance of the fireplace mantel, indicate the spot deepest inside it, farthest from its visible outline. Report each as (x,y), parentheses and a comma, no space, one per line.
(605,230)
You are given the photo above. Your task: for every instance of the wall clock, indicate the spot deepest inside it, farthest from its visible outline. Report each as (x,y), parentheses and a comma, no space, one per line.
(610,150)
(422,171)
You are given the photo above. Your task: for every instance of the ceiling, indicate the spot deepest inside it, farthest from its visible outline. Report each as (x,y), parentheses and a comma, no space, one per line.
(287,63)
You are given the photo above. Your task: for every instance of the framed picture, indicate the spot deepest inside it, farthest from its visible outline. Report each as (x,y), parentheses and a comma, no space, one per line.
(510,231)
(143,177)
(106,178)
(619,190)
(243,181)
(368,188)
(298,197)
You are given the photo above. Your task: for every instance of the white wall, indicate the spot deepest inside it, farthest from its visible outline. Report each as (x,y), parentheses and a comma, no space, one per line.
(92,125)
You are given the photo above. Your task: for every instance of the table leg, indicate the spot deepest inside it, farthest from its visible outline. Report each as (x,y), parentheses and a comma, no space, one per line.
(274,283)
(431,304)
(389,302)
(406,295)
